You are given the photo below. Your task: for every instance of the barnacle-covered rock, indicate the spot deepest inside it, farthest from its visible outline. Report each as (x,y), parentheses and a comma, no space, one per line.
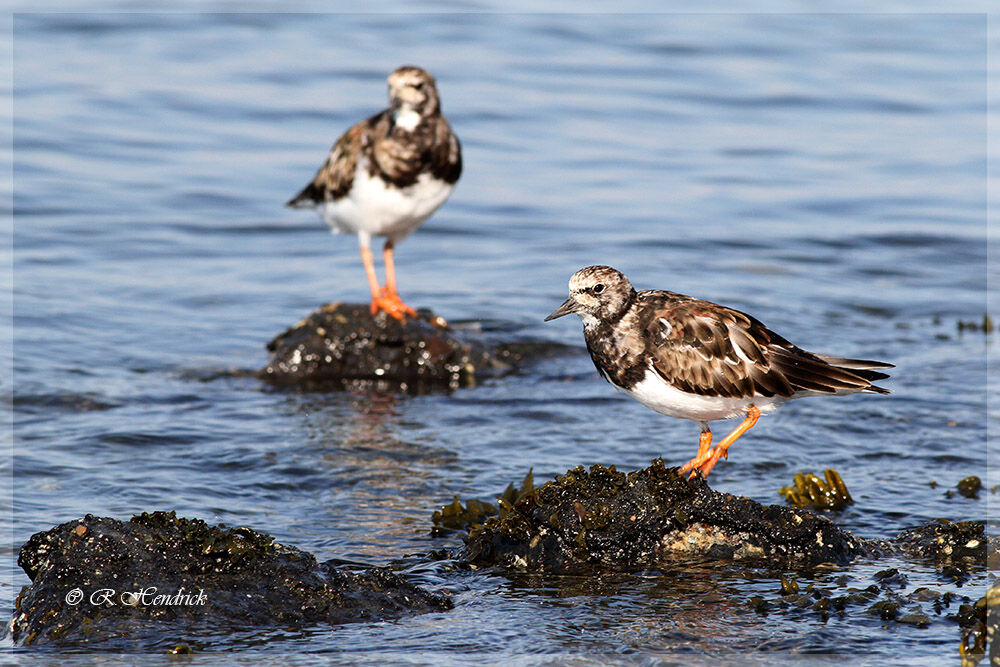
(158,582)
(341,345)
(963,544)
(603,518)
(808,490)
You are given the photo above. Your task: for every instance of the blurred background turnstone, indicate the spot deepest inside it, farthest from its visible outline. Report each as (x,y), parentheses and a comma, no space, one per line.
(388,174)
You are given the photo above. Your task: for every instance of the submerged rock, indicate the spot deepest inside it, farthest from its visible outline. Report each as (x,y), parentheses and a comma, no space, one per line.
(156,581)
(602,518)
(970,486)
(342,344)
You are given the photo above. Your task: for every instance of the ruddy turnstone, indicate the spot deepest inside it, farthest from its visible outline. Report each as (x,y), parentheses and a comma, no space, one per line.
(388,174)
(695,359)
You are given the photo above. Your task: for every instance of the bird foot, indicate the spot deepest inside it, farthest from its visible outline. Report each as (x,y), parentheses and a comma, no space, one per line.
(392,305)
(703,463)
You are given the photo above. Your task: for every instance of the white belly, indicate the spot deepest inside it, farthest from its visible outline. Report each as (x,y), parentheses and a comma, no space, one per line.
(372,207)
(658,395)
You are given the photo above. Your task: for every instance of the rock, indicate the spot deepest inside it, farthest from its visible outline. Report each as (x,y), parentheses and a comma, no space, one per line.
(963,544)
(970,486)
(341,345)
(601,518)
(158,582)
(887,610)
(917,618)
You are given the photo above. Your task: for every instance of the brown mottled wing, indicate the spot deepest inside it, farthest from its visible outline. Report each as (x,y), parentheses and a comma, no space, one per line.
(396,156)
(400,157)
(446,155)
(707,349)
(335,177)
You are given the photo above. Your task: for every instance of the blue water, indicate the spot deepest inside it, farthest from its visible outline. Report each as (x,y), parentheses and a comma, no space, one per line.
(826,173)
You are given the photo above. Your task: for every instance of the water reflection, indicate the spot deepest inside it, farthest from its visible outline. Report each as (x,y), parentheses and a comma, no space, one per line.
(384,475)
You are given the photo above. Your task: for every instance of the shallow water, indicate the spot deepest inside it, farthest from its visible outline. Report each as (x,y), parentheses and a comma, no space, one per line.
(824,172)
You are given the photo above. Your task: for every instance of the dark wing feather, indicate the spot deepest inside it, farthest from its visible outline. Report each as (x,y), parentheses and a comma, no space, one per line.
(707,349)
(693,347)
(446,154)
(335,178)
(392,153)
(401,156)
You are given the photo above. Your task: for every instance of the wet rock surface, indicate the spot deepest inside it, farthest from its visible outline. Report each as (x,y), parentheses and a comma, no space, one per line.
(970,486)
(962,544)
(605,519)
(95,582)
(341,345)
(601,521)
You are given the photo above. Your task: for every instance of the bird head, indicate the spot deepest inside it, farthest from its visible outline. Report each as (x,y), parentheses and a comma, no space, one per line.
(596,294)
(412,90)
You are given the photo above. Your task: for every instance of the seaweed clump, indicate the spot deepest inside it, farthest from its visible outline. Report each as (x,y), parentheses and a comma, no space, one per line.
(157,580)
(340,344)
(981,621)
(457,516)
(984,325)
(603,518)
(808,490)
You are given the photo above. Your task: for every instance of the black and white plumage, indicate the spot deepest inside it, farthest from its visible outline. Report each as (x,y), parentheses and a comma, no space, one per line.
(386,175)
(694,359)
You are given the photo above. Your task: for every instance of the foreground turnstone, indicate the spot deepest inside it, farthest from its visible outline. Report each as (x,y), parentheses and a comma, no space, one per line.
(695,359)
(388,174)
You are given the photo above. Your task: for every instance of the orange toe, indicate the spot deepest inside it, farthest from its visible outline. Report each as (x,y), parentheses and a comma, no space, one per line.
(694,464)
(392,305)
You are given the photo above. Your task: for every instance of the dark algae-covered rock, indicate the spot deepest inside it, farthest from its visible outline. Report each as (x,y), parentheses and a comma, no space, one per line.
(603,518)
(340,345)
(962,544)
(158,581)
(970,486)
(675,531)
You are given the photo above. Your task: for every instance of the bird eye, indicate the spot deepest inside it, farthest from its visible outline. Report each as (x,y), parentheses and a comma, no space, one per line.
(597,289)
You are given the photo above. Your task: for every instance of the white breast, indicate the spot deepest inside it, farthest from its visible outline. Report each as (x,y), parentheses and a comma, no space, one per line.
(408,119)
(656,394)
(380,209)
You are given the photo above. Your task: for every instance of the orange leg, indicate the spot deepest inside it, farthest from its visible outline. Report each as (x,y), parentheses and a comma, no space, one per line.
(369,262)
(380,297)
(704,443)
(721,449)
(390,282)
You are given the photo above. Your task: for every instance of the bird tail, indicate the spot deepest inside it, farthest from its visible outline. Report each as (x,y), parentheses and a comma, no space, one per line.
(308,198)
(863,368)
